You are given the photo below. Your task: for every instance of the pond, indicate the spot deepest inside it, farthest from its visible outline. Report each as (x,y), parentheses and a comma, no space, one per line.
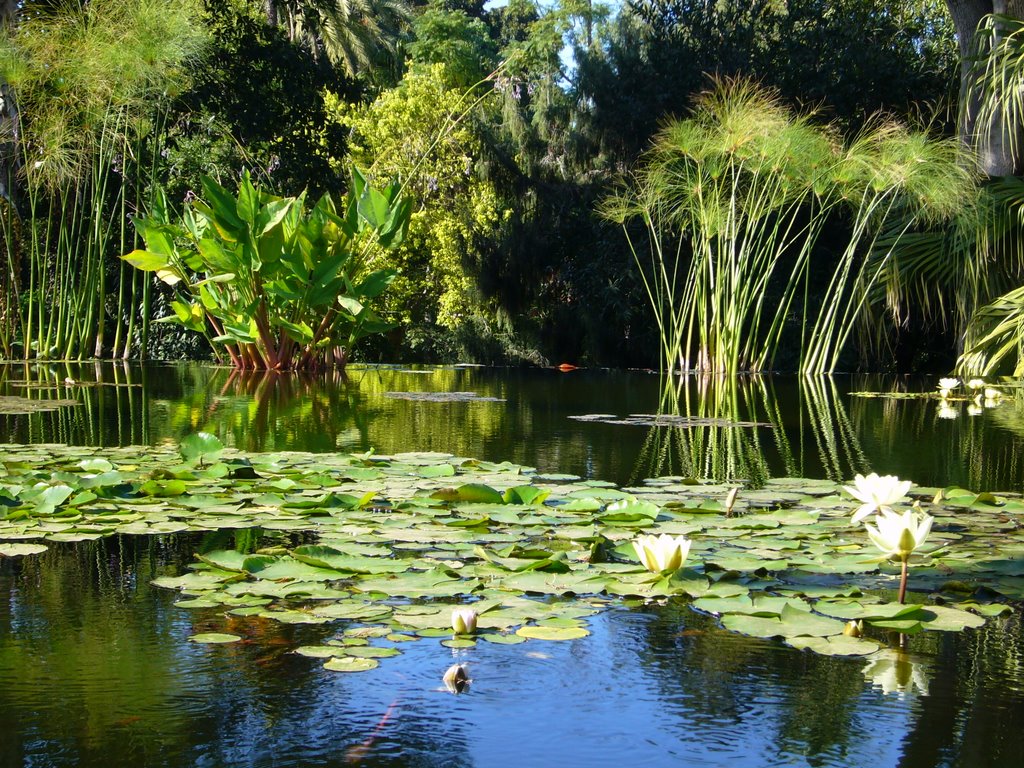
(96,667)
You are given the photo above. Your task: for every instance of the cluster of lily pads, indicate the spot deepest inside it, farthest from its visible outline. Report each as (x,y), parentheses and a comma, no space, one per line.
(397,548)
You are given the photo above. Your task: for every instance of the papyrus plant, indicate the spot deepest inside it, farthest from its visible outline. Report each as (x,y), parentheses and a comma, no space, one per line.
(734,200)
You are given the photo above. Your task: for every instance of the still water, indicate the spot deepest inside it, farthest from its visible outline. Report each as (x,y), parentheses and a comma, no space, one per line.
(95,667)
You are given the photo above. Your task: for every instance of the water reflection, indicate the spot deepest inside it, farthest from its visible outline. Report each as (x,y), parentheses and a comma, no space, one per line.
(109,678)
(743,428)
(896,672)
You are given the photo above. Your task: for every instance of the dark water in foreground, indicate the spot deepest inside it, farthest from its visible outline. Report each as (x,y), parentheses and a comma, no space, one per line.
(95,667)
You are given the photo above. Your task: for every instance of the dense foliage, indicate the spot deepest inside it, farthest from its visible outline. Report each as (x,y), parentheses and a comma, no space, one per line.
(508,126)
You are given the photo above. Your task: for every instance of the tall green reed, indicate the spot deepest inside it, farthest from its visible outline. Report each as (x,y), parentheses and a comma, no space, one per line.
(88,81)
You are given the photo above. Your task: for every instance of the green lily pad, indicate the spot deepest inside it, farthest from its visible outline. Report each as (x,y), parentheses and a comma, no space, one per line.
(836,645)
(351,664)
(552,633)
(947,619)
(201,446)
(214,638)
(371,652)
(502,639)
(320,651)
(21,550)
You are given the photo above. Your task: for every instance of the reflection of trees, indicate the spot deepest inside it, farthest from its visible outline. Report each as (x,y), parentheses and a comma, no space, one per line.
(95,669)
(971,716)
(805,703)
(915,442)
(266,411)
(814,706)
(816,429)
(724,443)
(78,660)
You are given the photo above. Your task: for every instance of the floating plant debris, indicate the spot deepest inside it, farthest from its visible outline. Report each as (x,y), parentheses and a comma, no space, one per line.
(665,420)
(14,405)
(393,544)
(443,397)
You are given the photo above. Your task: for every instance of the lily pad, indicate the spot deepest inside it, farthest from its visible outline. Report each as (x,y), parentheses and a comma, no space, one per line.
(552,633)
(351,664)
(836,645)
(214,638)
(21,550)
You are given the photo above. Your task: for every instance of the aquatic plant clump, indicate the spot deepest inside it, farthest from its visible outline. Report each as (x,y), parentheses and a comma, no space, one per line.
(393,549)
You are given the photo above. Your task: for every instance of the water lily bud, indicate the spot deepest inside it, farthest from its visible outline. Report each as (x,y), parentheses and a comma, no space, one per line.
(899,535)
(456,678)
(853,628)
(464,621)
(730,500)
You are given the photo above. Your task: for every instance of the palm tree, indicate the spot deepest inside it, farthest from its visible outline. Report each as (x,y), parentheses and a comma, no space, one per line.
(986,31)
(992,120)
(355,35)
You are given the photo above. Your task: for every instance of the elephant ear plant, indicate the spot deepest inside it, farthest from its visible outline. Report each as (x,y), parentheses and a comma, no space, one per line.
(280,286)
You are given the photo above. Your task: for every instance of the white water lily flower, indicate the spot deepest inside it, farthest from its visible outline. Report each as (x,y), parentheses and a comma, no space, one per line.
(899,535)
(946,411)
(661,553)
(976,384)
(464,621)
(946,384)
(876,494)
(894,672)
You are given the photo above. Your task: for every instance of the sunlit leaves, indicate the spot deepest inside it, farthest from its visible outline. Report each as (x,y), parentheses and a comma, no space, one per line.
(200,447)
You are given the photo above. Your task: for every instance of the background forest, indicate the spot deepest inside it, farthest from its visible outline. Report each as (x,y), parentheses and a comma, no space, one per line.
(529,139)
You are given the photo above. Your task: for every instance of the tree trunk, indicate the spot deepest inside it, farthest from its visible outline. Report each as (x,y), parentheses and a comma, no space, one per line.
(992,142)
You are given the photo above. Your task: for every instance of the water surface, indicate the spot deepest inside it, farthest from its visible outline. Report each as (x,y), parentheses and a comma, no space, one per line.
(96,669)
